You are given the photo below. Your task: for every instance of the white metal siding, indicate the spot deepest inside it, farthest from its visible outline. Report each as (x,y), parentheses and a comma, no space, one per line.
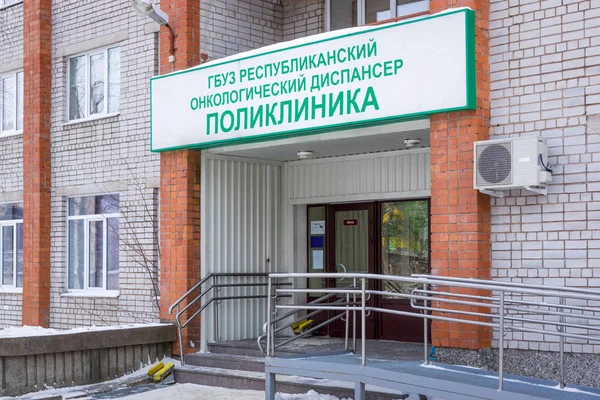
(242,203)
(376,176)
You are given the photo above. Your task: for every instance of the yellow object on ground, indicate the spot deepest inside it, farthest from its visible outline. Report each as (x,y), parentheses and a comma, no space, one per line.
(295,326)
(155,368)
(300,326)
(164,372)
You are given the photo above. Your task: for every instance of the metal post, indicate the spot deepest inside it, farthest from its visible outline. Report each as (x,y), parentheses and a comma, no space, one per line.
(359,391)
(501,344)
(270,386)
(561,329)
(364,322)
(216,309)
(425,330)
(269,318)
(347,321)
(354,318)
(273,311)
(180,338)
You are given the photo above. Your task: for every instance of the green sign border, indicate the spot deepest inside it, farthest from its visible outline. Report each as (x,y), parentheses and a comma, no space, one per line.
(470,105)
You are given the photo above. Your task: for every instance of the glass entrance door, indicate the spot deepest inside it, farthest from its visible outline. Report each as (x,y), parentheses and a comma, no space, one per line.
(352,250)
(351,253)
(404,237)
(387,237)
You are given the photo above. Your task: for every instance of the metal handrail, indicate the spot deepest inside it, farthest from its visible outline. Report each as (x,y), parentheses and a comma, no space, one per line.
(215,300)
(206,278)
(431,302)
(290,314)
(339,305)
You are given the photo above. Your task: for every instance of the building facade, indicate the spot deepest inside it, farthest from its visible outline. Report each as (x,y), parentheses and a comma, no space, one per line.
(117,233)
(107,275)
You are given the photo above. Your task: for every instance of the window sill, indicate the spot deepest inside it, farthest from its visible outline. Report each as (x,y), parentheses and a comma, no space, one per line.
(10,290)
(90,119)
(107,294)
(7,134)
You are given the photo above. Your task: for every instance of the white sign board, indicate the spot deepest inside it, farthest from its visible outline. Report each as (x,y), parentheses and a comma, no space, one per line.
(355,77)
(317,259)
(317,227)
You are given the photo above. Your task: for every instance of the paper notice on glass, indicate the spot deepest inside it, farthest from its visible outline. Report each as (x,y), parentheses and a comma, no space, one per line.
(317,227)
(317,259)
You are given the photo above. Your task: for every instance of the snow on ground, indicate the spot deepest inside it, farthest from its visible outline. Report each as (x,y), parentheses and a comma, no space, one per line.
(81,391)
(188,391)
(308,396)
(26,331)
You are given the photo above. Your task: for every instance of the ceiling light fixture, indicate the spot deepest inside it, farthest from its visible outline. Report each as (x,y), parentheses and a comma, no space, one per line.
(412,143)
(304,154)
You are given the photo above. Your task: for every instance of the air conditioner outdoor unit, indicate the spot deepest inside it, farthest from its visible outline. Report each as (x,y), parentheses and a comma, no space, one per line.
(516,163)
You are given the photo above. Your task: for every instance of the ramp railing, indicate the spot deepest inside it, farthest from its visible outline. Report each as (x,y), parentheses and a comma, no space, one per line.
(210,291)
(330,298)
(547,313)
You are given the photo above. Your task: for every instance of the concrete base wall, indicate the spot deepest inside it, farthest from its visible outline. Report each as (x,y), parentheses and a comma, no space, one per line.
(580,368)
(33,363)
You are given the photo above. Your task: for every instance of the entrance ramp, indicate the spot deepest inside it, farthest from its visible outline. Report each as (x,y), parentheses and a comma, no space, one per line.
(559,314)
(442,381)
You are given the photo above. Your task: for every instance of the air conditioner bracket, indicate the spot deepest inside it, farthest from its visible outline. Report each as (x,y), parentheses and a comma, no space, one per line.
(543,190)
(492,193)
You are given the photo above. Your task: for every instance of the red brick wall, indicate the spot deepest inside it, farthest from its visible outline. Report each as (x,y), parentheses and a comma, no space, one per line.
(460,215)
(180,179)
(37,73)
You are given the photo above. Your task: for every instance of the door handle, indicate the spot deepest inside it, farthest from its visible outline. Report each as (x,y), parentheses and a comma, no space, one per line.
(344,268)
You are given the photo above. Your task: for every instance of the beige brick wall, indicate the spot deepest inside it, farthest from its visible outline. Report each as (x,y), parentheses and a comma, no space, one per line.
(545,80)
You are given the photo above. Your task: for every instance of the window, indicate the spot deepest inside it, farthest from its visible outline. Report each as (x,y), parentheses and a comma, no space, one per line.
(93,242)
(11,245)
(343,14)
(11,103)
(349,13)
(94,83)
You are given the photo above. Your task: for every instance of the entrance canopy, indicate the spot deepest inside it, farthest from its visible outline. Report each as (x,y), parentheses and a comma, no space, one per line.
(365,76)
(388,137)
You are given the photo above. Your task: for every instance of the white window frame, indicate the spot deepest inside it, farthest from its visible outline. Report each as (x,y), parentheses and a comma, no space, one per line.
(87,116)
(361,9)
(13,223)
(86,248)
(19,92)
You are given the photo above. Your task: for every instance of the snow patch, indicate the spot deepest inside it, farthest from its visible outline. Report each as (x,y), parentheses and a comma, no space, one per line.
(310,395)
(29,331)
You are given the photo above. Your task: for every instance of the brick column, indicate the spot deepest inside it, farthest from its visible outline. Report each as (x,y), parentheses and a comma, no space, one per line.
(460,219)
(37,72)
(180,180)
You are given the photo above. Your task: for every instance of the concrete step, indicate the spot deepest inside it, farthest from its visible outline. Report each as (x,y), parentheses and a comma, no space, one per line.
(250,348)
(238,349)
(226,361)
(235,379)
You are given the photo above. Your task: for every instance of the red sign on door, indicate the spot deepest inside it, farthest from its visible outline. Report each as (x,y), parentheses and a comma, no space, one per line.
(351,222)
